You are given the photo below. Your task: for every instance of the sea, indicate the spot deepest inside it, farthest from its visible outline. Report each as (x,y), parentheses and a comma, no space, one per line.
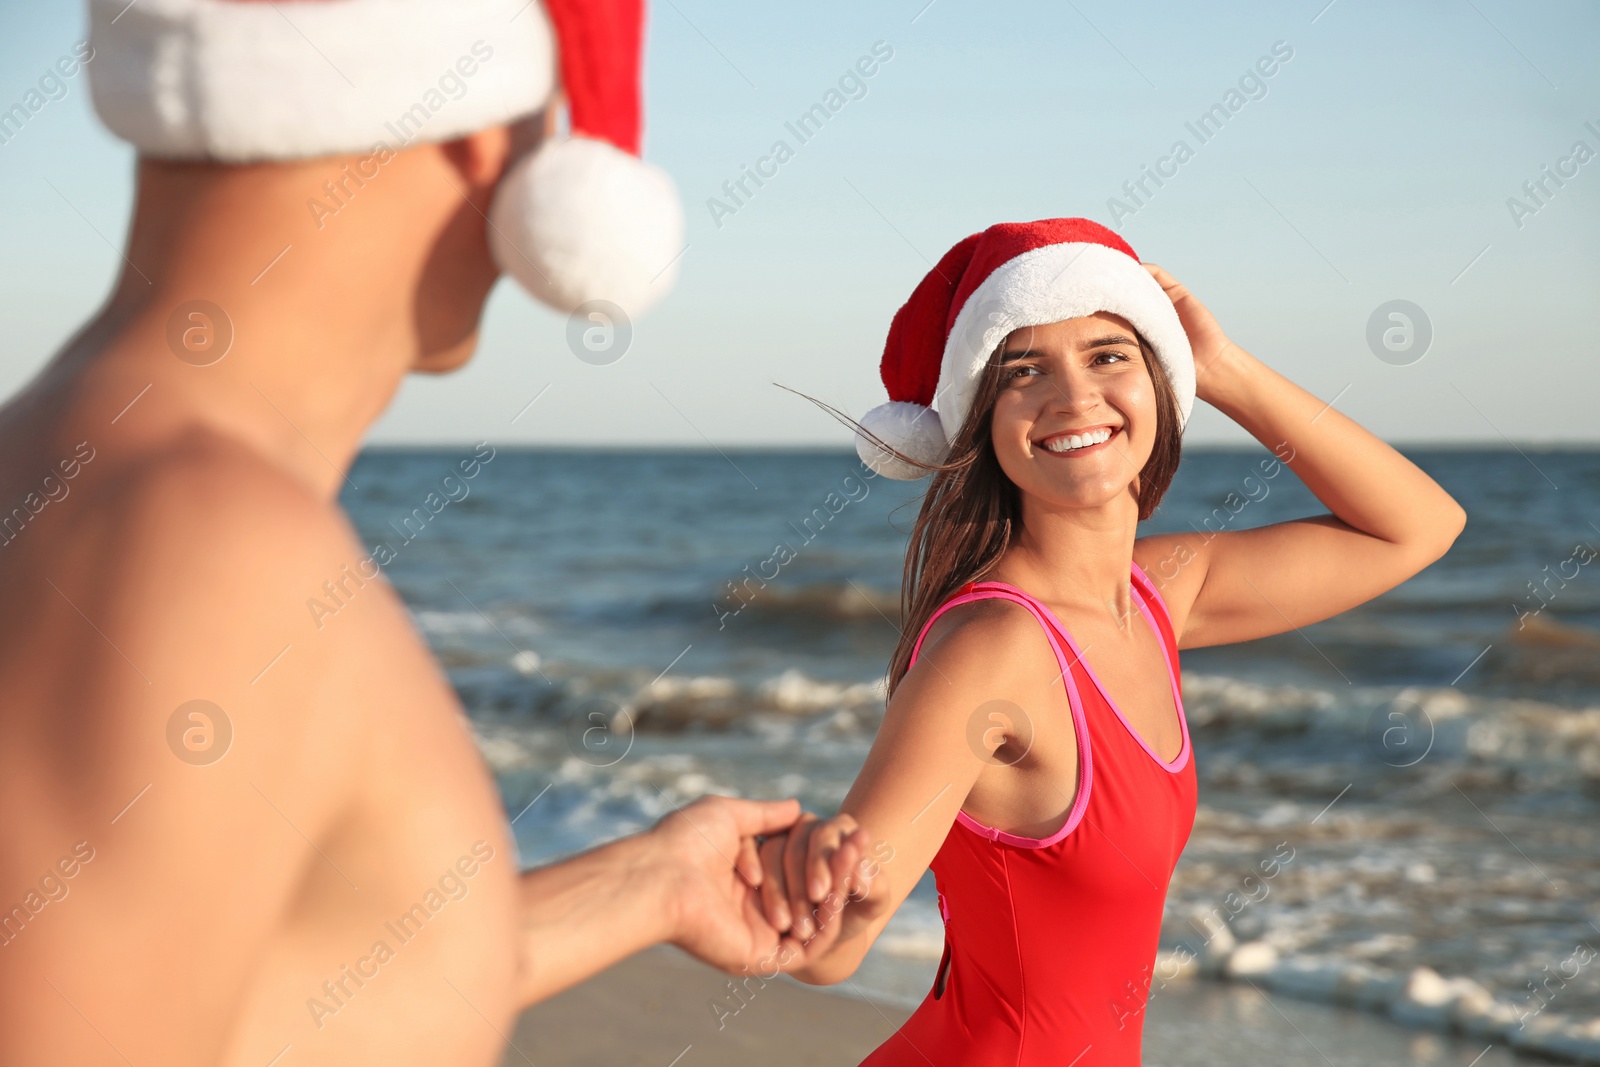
(630,629)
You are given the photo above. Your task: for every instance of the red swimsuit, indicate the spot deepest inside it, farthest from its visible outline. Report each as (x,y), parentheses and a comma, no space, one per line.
(1049,943)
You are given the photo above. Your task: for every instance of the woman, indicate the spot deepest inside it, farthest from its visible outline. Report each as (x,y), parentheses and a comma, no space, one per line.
(1053,793)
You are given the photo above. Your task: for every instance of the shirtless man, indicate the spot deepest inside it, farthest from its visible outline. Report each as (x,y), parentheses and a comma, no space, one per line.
(311,866)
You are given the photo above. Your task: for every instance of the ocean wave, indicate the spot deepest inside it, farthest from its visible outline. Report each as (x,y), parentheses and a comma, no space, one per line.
(827,601)
(1246,734)
(1539,651)
(1419,997)
(563,797)
(1451,910)
(547,692)
(807,605)
(1532,743)
(442,623)
(717,702)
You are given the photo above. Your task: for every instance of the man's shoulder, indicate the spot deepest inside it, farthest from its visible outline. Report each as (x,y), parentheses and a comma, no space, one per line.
(208,558)
(202,495)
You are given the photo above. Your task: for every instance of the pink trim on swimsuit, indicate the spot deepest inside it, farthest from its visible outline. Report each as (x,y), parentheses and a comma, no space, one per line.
(1080,726)
(1151,586)
(1177,763)
(1142,589)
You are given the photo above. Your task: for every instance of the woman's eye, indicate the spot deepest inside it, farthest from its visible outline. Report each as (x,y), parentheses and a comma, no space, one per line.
(1018,372)
(1116,355)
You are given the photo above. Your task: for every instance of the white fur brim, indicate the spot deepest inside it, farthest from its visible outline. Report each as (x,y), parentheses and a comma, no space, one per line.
(908,428)
(239,82)
(582,220)
(1051,284)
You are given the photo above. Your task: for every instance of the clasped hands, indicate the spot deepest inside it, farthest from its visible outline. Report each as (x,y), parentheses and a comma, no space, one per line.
(761,885)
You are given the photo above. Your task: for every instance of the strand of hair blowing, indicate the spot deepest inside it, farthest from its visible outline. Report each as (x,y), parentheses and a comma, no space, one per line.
(963,527)
(971,509)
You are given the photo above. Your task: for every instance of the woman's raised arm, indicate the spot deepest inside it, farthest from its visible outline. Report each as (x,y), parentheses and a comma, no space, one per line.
(1388,519)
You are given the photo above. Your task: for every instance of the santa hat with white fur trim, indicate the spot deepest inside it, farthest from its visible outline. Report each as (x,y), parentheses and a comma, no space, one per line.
(236,81)
(1013,274)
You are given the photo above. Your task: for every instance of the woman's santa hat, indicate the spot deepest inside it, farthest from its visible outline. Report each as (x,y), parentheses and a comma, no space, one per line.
(1013,274)
(238,81)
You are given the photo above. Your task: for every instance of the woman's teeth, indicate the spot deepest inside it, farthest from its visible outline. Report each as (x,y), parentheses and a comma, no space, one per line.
(1076,441)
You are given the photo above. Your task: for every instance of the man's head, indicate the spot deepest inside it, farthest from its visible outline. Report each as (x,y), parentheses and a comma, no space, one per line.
(405,234)
(435,106)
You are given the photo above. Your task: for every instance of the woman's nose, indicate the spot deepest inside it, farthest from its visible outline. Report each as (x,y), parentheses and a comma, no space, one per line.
(1071,392)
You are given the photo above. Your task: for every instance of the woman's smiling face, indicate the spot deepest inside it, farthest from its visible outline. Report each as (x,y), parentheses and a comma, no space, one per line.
(1080,381)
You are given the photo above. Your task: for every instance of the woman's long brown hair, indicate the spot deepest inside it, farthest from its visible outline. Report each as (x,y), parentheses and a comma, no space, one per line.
(971,509)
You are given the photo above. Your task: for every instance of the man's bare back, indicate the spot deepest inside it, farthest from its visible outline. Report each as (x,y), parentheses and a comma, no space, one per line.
(340,860)
(242,830)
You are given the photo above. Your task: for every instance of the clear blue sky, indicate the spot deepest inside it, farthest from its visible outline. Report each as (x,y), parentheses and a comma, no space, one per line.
(1376,167)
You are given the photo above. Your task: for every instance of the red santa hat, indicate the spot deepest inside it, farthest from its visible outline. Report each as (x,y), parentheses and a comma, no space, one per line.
(1013,274)
(582,218)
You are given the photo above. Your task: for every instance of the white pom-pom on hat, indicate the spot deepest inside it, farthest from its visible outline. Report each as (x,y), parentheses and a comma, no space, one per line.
(585,218)
(908,428)
(582,220)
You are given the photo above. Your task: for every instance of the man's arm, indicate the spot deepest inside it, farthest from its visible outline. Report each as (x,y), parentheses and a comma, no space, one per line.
(691,881)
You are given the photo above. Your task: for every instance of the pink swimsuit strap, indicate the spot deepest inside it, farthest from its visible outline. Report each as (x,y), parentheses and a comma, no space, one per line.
(1145,591)
(1080,725)
(1160,623)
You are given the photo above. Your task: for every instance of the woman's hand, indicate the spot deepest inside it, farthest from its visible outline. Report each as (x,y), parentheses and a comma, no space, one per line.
(811,874)
(1206,338)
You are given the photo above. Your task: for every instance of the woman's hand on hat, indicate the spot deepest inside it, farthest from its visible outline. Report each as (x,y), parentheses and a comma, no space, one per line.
(1206,338)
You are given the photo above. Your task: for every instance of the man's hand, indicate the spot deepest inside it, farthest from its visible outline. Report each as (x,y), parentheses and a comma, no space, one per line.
(707,851)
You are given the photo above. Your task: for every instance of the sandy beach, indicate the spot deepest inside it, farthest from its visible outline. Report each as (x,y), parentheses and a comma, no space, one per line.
(654,1010)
